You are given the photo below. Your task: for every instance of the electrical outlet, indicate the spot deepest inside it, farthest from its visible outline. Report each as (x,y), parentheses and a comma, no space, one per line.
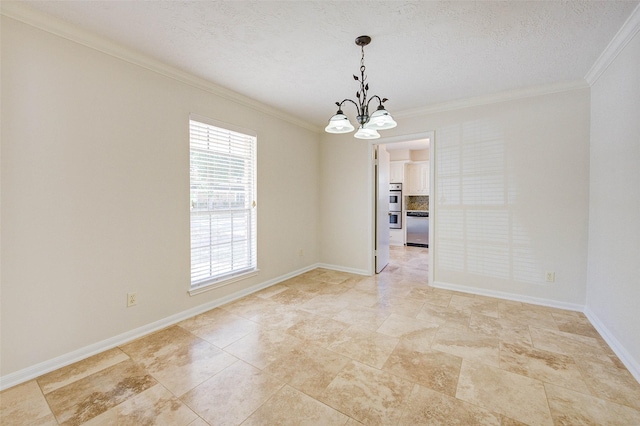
(132,299)
(551,276)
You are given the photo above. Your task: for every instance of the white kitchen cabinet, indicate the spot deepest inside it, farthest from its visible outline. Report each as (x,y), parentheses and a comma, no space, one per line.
(396,237)
(417,176)
(396,172)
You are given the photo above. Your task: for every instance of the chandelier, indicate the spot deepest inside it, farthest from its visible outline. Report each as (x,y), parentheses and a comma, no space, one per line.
(369,124)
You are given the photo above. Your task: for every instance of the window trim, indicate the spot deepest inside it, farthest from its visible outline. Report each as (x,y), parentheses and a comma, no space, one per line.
(213,283)
(217,284)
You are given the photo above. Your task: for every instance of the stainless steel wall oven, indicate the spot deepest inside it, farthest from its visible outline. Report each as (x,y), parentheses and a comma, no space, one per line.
(395,220)
(395,206)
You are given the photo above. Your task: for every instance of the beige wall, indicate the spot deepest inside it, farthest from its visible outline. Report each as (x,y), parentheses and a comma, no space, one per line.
(419,155)
(613,279)
(346,204)
(409,155)
(511,202)
(95,195)
(400,155)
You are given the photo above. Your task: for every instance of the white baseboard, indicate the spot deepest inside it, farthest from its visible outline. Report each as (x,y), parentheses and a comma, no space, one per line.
(627,359)
(510,296)
(44,367)
(343,269)
(39,369)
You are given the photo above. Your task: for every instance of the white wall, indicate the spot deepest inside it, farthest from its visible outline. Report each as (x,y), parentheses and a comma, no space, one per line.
(95,195)
(511,202)
(613,278)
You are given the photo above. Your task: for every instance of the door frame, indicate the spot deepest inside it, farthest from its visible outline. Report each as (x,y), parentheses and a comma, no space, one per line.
(432,194)
(381,222)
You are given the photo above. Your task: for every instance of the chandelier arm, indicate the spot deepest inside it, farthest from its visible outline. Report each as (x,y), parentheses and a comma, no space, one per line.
(380,101)
(358,109)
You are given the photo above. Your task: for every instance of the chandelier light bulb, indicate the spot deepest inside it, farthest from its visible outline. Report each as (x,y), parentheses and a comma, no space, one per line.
(381,120)
(339,123)
(366,133)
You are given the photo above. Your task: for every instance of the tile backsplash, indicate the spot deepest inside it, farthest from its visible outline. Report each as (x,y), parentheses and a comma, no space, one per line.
(416,202)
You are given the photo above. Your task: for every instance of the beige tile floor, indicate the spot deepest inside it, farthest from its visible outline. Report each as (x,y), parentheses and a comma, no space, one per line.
(330,348)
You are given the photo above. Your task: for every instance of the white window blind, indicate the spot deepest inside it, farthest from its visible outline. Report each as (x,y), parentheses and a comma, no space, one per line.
(223,203)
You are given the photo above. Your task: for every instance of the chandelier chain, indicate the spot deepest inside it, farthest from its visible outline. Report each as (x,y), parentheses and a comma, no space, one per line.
(362,96)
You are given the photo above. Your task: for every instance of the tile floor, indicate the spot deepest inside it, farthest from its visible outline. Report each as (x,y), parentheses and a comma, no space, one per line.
(330,348)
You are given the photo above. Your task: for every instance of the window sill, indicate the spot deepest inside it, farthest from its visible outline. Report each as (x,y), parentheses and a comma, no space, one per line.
(217,284)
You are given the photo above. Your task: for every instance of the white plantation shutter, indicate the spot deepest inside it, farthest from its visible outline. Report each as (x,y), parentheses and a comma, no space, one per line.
(223,202)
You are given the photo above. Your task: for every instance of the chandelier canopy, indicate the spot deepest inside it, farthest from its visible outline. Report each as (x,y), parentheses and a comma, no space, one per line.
(380,119)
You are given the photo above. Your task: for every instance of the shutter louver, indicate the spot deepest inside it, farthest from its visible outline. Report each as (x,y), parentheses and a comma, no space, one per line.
(223,212)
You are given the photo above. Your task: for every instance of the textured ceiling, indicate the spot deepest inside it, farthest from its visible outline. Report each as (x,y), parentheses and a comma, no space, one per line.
(299,56)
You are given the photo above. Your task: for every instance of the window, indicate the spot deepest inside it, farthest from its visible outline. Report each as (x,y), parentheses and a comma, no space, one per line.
(223,203)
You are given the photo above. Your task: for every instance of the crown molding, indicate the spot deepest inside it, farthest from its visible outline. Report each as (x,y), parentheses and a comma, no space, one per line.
(21,12)
(626,33)
(43,21)
(494,98)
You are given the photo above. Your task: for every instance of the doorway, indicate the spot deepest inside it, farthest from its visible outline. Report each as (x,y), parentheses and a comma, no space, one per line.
(400,149)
